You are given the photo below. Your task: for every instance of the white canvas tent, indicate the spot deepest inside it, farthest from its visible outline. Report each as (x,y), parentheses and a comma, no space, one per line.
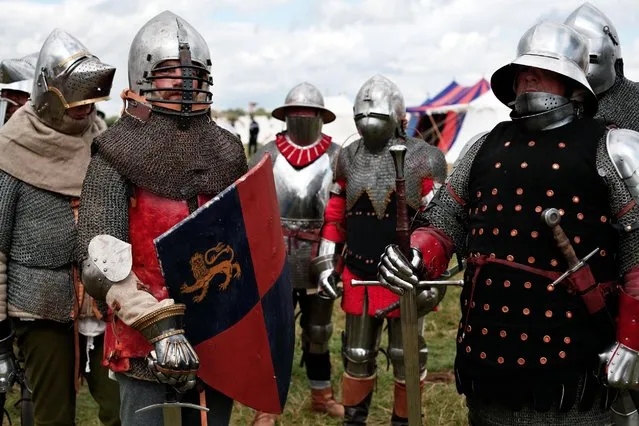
(481,115)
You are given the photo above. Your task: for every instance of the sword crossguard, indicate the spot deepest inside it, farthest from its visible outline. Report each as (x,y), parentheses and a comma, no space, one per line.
(575,268)
(422,285)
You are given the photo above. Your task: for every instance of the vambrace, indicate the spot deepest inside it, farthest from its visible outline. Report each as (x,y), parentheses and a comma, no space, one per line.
(328,259)
(628,322)
(334,228)
(436,249)
(3,286)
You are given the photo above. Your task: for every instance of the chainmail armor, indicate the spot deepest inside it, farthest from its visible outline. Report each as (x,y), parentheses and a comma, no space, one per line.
(374,173)
(9,189)
(620,104)
(498,415)
(450,216)
(47,293)
(104,208)
(44,229)
(171,162)
(619,197)
(37,231)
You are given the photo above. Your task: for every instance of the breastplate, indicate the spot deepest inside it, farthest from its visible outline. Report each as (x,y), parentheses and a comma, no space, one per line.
(303,193)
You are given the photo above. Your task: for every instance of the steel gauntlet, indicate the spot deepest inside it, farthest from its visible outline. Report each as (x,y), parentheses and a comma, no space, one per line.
(8,368)
(173,360)
(324,269)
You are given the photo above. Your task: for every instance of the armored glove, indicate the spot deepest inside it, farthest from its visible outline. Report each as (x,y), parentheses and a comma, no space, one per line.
(324,267)
(428,299)
(621,366)
(328,283)
(8,368)
(173,360)
(398,274)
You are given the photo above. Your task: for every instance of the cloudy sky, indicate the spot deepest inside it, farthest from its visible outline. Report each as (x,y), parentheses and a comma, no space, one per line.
(261,48)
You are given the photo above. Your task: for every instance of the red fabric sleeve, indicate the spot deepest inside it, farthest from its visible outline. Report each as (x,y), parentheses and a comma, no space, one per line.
(436,248)
(427,186)
(628,323)
(334,217)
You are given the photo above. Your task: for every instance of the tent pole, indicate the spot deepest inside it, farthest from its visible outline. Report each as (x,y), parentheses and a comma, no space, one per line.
(435,127)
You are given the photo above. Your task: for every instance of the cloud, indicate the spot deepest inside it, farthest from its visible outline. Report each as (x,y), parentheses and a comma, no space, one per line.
(261,48)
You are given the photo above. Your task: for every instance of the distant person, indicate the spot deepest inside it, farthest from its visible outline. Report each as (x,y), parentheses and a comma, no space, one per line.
(254,130)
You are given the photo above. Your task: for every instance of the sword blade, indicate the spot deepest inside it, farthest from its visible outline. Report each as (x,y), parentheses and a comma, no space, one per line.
(410,337)
(172,416)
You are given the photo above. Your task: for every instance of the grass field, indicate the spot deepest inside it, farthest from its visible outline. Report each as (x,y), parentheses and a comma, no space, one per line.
(441,403)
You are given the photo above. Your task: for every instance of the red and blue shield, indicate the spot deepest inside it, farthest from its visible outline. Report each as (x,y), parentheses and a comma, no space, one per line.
(227,263)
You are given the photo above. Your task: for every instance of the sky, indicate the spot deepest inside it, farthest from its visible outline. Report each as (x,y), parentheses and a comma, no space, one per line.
(262,48)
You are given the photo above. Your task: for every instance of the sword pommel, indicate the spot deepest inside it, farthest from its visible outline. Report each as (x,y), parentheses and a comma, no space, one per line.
(551,216)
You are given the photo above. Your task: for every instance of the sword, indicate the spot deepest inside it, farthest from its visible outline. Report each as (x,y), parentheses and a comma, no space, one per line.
(172,407)
(587,287)
(407,302)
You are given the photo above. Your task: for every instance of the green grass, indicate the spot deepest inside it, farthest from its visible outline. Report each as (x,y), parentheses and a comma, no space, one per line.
(441,403)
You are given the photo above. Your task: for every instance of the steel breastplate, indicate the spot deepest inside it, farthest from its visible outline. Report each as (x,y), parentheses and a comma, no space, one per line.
(302,193)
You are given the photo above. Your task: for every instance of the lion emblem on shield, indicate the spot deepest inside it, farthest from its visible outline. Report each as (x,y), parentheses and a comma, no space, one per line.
(217,261)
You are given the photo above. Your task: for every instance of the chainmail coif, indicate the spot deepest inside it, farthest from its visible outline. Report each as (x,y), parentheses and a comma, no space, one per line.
(171,162)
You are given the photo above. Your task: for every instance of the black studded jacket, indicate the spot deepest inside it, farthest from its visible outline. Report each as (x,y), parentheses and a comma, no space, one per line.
(517,334)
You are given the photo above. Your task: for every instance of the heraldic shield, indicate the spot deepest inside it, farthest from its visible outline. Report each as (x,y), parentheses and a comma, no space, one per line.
(227,263)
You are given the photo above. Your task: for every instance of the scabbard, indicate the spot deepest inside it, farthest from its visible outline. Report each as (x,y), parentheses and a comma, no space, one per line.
(584,284)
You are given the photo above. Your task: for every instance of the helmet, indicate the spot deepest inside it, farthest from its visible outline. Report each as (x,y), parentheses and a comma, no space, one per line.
(553,47)
(67,75)
(378,111)
(16,80)
(13,71)
(304,95)
(304,130)
(604,48)
(170,37)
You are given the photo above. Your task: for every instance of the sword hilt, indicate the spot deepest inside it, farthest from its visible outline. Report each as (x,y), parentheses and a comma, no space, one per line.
(403,226)
(552,218)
